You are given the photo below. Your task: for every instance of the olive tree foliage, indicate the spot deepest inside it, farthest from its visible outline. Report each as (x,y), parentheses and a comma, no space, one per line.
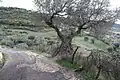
(69,17)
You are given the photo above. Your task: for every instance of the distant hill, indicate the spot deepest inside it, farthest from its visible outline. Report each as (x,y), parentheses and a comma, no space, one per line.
(22,17)
(19,16)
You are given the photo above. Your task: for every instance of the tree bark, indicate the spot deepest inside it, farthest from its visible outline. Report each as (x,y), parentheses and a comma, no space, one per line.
(65,49)
(98,73)
(73,56)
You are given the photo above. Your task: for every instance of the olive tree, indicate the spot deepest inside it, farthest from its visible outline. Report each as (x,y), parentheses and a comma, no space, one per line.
(69,17)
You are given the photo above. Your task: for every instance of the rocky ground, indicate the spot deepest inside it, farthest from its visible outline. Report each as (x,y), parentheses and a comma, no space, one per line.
(26,65)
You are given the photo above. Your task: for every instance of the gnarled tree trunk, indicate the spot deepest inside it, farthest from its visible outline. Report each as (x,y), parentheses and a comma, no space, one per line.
(65,49)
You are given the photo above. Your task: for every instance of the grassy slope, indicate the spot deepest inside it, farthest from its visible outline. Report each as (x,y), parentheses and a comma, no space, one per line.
(45,33)
(79,41)
(26,16)
(87,44)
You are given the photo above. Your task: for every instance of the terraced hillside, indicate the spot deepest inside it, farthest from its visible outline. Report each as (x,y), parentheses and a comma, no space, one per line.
(19,16)
(25,29)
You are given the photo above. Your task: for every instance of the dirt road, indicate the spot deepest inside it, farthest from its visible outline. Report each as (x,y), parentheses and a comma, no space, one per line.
(25,65)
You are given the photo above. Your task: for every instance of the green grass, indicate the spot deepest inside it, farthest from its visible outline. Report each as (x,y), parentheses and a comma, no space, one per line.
(89,75)
(67,63)
(79,41)
(45,33)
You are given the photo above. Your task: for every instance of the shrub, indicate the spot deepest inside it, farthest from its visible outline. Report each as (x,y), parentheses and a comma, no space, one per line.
(9,31)
(110,49)
(52,48)
(2,33)
(40,40)
(50,42)
(92,41)
(89,75)
(19,39)
(1,38)
(86,38)
(47,38)
(21,46)
(23,32)
(38,44)
(116,45)
(31,37)
(29,42)
(40,48)
(8,43)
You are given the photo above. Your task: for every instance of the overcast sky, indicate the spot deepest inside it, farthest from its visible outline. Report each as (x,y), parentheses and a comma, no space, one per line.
(28,4)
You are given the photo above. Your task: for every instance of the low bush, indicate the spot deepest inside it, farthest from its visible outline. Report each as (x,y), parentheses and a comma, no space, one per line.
(89,75)
(2,33)
(30,42)
(47,38)
(40,48)
(19,39)
(110,49)
(31,37)
(50,42)
(21,46)
(23,32)
(8,43)
(116,45)
(86,38)
(92,41)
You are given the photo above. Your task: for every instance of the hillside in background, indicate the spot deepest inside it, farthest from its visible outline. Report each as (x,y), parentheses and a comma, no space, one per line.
(19,16)
(22,17)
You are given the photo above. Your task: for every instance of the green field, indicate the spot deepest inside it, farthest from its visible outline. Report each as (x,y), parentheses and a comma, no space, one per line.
(79,41)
